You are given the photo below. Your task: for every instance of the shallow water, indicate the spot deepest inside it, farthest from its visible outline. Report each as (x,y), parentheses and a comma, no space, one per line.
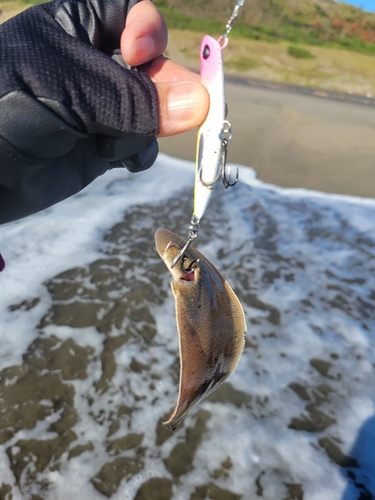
(94,369)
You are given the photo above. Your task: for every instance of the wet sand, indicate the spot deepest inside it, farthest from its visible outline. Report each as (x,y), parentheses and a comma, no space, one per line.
(294,139)
(82,408)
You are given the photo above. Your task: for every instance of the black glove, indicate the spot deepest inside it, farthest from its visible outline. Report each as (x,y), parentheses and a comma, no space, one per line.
(70,109)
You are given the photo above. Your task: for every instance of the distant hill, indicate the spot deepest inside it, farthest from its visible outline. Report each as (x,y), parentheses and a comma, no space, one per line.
(299,42)
(309,22)
(315,22)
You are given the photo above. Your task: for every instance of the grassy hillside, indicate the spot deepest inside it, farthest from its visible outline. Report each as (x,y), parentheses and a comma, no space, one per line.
(313,22)
(317,43)
(324,68)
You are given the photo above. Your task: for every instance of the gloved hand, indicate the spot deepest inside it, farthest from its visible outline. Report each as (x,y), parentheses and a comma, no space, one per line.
(70,108)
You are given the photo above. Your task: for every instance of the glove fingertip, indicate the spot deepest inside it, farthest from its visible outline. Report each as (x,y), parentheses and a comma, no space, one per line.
(143,160)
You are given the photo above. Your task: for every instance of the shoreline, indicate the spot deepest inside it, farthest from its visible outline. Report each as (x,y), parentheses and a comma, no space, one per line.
(296,137)
(240,79)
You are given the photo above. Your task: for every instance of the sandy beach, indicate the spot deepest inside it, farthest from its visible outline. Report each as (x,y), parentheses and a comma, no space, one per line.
(296,140)
(89,363)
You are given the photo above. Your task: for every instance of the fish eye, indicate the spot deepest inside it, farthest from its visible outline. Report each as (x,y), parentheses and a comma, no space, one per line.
(188,265)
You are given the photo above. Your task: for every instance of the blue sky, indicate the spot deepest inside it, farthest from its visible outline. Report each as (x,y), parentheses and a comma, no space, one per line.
(368,5)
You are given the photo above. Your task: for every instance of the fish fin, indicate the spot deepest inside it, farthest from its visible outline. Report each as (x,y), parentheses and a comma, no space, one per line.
(186,398)
(177,413)
(240,327)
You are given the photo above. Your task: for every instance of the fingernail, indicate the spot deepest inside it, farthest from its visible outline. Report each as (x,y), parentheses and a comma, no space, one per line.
(183,100)
(144,46)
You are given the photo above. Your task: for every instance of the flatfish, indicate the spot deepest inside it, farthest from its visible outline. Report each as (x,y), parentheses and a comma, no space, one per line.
(210,320)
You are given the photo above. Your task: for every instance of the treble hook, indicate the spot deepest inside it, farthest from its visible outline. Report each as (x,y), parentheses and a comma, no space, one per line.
(226,169)
(208,184)
(226,177)
(193,233)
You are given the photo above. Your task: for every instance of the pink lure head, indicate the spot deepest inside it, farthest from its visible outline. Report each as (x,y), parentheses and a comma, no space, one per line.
(210,57)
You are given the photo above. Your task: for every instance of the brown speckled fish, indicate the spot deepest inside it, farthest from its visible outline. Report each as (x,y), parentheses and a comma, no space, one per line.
(210,320)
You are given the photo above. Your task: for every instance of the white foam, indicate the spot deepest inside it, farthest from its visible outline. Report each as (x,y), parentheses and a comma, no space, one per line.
(256,437)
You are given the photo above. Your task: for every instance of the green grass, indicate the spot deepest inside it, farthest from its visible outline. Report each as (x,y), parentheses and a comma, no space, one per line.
(295,31)
(304,36)
(33,2)
(291,32)
(300,53)
(241,64)
(180,21)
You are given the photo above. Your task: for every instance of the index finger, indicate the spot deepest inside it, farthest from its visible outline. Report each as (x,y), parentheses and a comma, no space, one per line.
(145,35)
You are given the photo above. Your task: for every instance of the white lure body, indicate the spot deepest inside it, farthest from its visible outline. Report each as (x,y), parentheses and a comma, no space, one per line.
(210,133)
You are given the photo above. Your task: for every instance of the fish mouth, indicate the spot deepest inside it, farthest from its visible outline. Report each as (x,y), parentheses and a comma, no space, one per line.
(169,246)
(188,276)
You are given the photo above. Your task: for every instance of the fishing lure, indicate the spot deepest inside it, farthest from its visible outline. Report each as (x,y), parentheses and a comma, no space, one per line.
(215,132)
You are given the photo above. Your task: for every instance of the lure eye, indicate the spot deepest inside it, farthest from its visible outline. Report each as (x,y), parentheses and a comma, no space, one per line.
(206,52)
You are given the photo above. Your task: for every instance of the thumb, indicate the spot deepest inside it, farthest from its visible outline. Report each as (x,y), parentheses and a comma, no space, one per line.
(183,105)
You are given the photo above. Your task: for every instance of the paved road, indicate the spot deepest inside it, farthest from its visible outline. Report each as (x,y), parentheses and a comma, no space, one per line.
(294,138)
